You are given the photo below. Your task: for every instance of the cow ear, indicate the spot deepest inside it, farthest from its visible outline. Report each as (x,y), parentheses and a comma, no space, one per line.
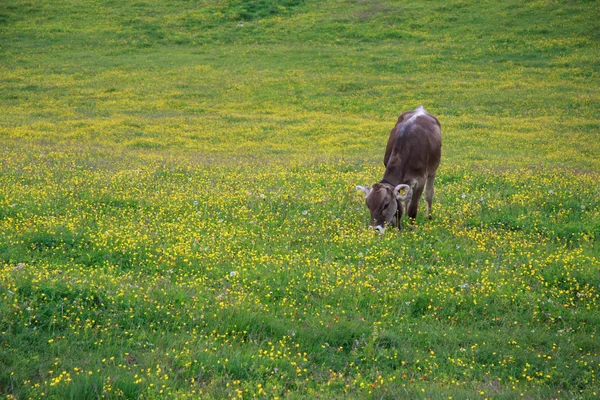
(365,189)
(407,192)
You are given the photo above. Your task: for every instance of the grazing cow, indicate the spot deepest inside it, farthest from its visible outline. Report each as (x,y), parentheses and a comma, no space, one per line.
(412,156)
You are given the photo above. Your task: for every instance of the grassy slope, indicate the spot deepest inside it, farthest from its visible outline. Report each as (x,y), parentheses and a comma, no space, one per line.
(329,72)
(123,126)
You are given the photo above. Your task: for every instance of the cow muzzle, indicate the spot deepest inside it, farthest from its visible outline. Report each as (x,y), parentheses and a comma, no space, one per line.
(380,229)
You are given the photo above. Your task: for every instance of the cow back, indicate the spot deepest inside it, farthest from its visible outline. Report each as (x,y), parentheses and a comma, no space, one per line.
(414,148)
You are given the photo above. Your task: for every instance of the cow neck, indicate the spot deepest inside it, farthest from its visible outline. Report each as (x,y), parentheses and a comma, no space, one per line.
(385,181)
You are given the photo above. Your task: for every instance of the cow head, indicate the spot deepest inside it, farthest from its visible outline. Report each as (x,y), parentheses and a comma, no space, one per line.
(385,203)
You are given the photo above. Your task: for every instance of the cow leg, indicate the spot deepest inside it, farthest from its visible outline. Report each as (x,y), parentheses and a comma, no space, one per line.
(413,206)
(429,194)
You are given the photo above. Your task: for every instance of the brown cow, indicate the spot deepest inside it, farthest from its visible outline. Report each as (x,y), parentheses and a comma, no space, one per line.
(412,156)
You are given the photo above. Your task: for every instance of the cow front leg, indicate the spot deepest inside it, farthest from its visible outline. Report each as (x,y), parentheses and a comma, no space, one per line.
(429,194)
(413,205)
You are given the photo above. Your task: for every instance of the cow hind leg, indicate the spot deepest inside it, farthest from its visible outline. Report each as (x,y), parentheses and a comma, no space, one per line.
(429,194)
(413,205)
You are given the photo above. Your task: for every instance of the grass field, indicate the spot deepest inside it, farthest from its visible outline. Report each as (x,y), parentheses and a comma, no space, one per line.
(179,219)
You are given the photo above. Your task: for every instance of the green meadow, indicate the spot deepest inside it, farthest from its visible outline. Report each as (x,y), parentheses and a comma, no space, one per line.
(179,218)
